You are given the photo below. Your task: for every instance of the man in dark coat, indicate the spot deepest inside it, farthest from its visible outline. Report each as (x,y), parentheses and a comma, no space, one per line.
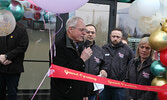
(117,56)
(70,54)
(12,50)
(95,65)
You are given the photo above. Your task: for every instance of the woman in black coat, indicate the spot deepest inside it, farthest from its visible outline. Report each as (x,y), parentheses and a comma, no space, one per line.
(139,71)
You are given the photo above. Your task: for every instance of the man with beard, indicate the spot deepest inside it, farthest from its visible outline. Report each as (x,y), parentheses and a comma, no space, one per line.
(117,56)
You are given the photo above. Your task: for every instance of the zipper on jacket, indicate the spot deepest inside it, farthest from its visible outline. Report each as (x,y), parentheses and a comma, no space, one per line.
(140,67)
(68,89)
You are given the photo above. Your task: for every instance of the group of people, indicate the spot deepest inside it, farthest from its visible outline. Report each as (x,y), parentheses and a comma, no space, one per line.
(115,60)
(78,50)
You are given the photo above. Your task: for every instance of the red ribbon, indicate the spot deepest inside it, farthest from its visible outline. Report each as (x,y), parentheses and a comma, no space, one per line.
(62,72)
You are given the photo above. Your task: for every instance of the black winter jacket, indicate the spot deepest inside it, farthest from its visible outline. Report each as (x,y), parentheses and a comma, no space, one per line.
(142,76)
(94,64)
(67,56)
(14,46)
(117,59)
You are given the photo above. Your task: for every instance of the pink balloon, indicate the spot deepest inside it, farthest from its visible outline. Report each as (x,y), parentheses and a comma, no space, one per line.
(31,2)
(60,6)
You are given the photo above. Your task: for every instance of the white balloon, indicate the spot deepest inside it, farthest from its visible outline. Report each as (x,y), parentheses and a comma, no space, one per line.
(148,7)
(7,22)
(133,11)
(163,8)
(148,25)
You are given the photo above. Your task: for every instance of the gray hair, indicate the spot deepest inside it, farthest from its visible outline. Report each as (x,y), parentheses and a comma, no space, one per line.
(71,22)
(143,41)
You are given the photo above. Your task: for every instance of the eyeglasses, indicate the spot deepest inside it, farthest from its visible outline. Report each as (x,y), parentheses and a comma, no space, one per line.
(88,32)
(147,48)
(80,29)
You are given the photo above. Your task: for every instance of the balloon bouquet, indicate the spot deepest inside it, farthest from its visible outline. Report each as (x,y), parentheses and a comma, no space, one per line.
(158,41)
(151,16)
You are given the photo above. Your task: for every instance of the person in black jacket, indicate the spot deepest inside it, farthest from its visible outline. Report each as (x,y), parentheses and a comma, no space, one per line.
(71,54)
(12,50)
(117,57)
(139,71)
(95,64)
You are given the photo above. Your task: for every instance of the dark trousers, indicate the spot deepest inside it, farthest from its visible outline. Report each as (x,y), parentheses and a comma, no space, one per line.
(93,97)
(9,82)
(112,93)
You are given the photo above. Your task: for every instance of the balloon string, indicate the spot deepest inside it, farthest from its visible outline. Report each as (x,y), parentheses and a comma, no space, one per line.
(48,70)
(44,22)
(39,85)
(53,48)
(50,41)
(58,15)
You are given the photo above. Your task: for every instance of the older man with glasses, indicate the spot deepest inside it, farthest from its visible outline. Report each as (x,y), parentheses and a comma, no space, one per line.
(71,54)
